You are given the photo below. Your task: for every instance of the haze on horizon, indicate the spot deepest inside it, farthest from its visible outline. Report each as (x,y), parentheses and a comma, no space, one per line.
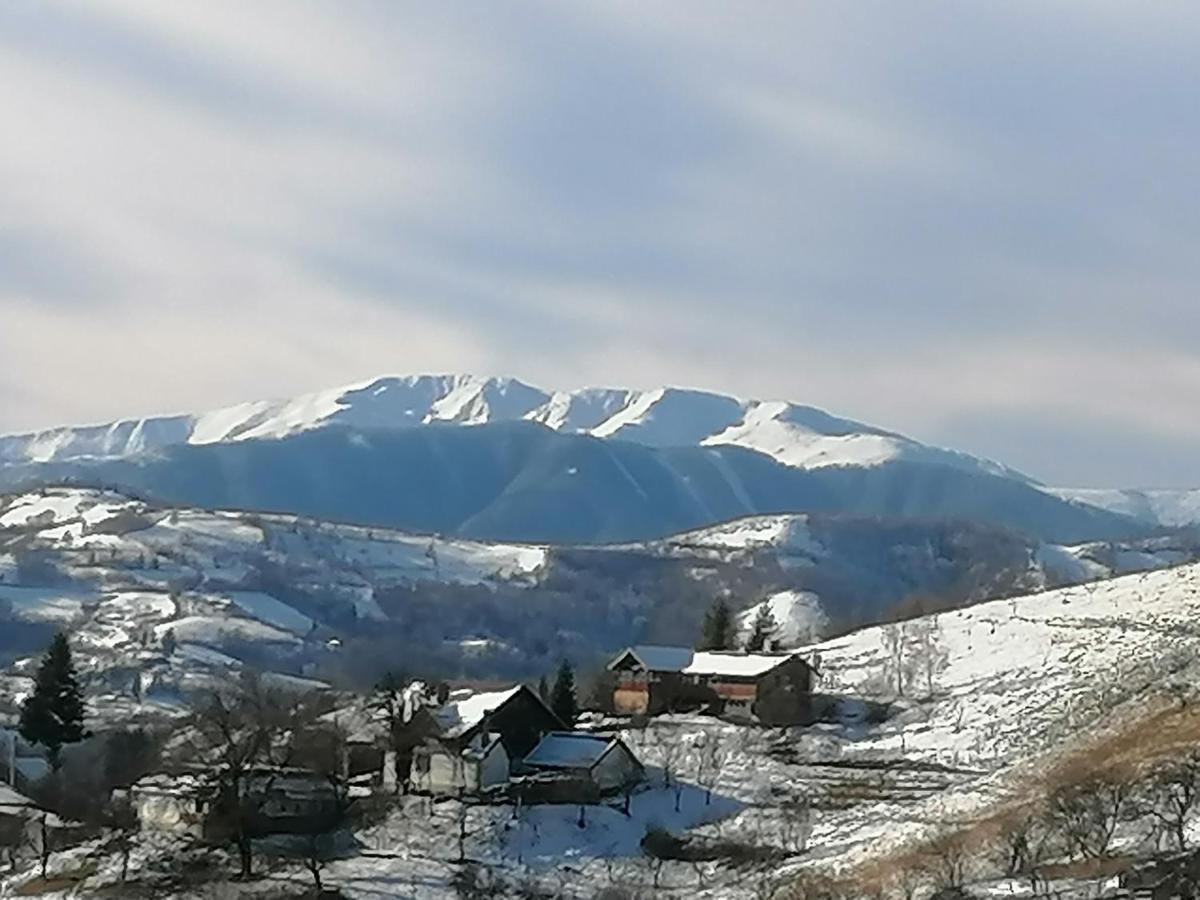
(975,224)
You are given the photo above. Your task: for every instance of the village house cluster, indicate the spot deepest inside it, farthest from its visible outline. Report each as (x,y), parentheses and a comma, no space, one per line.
(492,746)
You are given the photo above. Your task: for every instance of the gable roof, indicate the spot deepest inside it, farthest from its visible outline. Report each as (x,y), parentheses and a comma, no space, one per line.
(685,661)
(460,714)
(10,800)
(571,750)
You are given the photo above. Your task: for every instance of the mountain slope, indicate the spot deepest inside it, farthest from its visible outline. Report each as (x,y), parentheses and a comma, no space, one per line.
(1172,508)
(665,417)
(521,481)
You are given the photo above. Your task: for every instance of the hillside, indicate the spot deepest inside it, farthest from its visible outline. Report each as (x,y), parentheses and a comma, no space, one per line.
(975,715)
(520,481)
(343,602)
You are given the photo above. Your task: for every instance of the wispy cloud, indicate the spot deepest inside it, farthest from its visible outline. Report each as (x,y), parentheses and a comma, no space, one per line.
(934,217)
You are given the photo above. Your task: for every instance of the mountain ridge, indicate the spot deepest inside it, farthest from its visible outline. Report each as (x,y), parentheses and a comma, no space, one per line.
(794,434)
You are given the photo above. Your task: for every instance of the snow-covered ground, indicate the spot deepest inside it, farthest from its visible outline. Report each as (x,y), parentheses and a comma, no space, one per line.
(980,702)
(179,594)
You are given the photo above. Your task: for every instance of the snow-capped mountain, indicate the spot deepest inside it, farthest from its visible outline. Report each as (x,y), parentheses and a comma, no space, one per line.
(1172,508)
(798,436)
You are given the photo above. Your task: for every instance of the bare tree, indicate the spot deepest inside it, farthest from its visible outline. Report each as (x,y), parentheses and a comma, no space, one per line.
(892,637)
(928,657)
(1086,813)
(243,738)
(945,861)
(670,752)
(1174,795)
(710,764)
(1024,844)
(795,824)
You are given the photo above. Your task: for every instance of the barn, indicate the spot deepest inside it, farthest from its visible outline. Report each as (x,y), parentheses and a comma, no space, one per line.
(774,688)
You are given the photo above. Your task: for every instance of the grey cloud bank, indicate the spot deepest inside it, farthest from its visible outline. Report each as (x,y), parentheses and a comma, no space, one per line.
(975,224)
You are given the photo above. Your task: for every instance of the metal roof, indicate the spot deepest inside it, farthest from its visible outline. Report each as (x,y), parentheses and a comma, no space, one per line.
(685,661)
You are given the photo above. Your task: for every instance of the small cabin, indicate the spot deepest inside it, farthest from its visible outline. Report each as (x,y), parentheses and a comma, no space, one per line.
(441,767)
(603,764)
(23,823)
(774,688)
(285,801)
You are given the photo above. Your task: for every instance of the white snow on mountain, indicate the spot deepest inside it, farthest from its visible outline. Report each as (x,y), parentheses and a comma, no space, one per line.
(799,619)
(1160,507)
(794,435)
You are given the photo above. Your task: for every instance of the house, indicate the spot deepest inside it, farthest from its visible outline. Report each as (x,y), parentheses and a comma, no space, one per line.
(774,688)
(176,804)
(478,738)
(23,824)
(285,801)
(448,767)
(603,764)
(1170,876)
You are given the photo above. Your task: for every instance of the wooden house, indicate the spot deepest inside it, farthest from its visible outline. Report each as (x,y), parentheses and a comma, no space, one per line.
(774,688)
(479,738)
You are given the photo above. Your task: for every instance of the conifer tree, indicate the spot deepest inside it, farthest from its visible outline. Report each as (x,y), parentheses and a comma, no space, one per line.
(53,714)
(543,690)
(762,629)
(562,696)
(717,631)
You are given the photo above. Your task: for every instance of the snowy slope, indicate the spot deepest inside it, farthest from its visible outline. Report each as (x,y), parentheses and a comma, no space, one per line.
(162,599)
(1158,507)
(663,417)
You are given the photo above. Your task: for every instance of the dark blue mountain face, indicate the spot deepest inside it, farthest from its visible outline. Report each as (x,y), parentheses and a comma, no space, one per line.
(519,481)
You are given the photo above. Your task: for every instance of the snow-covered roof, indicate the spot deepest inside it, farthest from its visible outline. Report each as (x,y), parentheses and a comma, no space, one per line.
(10,799)
(460,715)
(686,661)
(569,750)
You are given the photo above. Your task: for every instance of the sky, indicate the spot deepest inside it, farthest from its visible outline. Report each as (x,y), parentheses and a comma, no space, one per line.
(976,223)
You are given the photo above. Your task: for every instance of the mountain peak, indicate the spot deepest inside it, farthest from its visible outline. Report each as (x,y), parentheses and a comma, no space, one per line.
(798,436)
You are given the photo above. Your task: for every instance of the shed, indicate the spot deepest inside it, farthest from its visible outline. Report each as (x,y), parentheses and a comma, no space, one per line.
(606,762)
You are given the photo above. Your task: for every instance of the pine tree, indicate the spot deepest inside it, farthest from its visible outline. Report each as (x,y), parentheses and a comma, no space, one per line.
(562,697)
(762,629)
(717,631)
(543,690)
(53,714)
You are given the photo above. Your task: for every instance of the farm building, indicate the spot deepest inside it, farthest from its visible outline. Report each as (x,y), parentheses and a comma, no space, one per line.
(603,764)
(286,801)
(775,688)
(23,824)
(478,739)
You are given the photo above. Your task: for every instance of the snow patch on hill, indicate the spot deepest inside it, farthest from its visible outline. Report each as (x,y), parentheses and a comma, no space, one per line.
(799,619)
(1172,508)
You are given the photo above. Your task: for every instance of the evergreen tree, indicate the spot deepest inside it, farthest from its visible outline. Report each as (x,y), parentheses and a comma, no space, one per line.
(562,697)
(717,632)
(762,629)
(53,714)
(543,690)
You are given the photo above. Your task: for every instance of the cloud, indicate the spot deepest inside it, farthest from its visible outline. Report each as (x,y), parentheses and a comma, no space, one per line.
(933,218)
